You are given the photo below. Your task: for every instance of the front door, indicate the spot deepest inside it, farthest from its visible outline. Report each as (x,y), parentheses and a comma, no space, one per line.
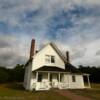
(54,80)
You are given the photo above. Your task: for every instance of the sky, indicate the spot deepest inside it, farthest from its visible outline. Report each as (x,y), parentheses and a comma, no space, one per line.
(73,25)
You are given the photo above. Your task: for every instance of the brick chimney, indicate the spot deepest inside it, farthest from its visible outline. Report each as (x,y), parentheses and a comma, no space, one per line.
(32,50)
(67,56)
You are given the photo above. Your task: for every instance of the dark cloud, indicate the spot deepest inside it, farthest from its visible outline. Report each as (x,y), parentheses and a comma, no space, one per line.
(11,51)
(5,43)
(11,60)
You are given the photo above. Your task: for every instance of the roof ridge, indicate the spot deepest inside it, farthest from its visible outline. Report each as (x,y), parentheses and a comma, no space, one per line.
(58,51)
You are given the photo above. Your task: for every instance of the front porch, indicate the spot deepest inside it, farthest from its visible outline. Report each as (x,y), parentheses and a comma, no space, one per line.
(61,80)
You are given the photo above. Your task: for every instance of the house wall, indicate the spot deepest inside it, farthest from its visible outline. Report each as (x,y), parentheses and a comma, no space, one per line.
(27,76)
(79,83)
(32,81)
(39,58)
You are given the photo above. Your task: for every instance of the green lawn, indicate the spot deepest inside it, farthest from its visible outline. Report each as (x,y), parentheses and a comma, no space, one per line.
(15,91)
(93,92)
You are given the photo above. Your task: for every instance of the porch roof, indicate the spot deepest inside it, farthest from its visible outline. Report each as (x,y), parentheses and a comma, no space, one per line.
(55,69)
(51,68)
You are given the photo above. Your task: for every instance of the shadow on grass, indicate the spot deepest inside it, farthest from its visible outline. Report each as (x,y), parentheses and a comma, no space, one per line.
(15,86)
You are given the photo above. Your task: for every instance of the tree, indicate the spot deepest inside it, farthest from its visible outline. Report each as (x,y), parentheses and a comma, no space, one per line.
(10,75)
(93,71)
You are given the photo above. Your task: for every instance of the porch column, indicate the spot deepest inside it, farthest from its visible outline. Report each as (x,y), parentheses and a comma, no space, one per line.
(36,76)
(48,76)
(68,81)
(88,80)
(59,78)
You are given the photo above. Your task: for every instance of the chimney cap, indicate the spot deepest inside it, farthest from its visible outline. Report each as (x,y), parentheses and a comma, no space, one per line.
(33,40)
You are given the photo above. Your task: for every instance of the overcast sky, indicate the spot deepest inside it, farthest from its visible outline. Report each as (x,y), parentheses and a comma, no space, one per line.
(73,25)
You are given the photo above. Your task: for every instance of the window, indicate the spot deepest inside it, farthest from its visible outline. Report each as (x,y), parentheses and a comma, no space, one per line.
(50,78)
(73,79)
(61,77)
(39,77)
(47,59)
(50,59)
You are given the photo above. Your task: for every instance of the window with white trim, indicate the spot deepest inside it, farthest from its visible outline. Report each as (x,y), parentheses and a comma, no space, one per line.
(47,58)
(50,59)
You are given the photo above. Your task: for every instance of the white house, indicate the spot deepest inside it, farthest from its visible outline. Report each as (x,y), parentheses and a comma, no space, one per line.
(48,68)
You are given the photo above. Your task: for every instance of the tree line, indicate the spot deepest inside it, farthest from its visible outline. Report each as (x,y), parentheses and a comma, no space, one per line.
(12,75)
(17,73)
(93,71)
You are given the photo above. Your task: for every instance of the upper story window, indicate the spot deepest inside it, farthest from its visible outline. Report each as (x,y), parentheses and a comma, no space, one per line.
(47,58)
(50,59)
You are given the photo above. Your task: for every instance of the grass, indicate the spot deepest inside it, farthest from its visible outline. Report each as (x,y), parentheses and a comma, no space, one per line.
(93,92)
(15,91)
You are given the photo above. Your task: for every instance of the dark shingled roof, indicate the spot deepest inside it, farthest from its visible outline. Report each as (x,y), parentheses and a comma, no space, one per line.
(50,68)
(70,68)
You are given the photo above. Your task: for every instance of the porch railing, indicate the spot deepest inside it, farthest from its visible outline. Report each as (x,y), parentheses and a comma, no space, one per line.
(42,86)
(63,85)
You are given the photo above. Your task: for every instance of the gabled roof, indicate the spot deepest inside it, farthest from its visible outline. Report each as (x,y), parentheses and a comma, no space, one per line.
(55,48)
(58,51)
(68,66)
(53,45)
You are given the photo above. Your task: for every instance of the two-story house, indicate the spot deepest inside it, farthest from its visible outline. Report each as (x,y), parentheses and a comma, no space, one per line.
(48,68)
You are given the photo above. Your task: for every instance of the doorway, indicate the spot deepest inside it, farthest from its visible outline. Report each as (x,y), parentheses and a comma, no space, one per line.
(54,80)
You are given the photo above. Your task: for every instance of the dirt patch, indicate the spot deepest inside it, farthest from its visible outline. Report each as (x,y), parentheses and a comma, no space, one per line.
(71,95)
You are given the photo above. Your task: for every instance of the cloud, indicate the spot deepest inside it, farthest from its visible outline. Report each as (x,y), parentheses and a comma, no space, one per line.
(90,57)
(12,51)
(73,25)
(98,53)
